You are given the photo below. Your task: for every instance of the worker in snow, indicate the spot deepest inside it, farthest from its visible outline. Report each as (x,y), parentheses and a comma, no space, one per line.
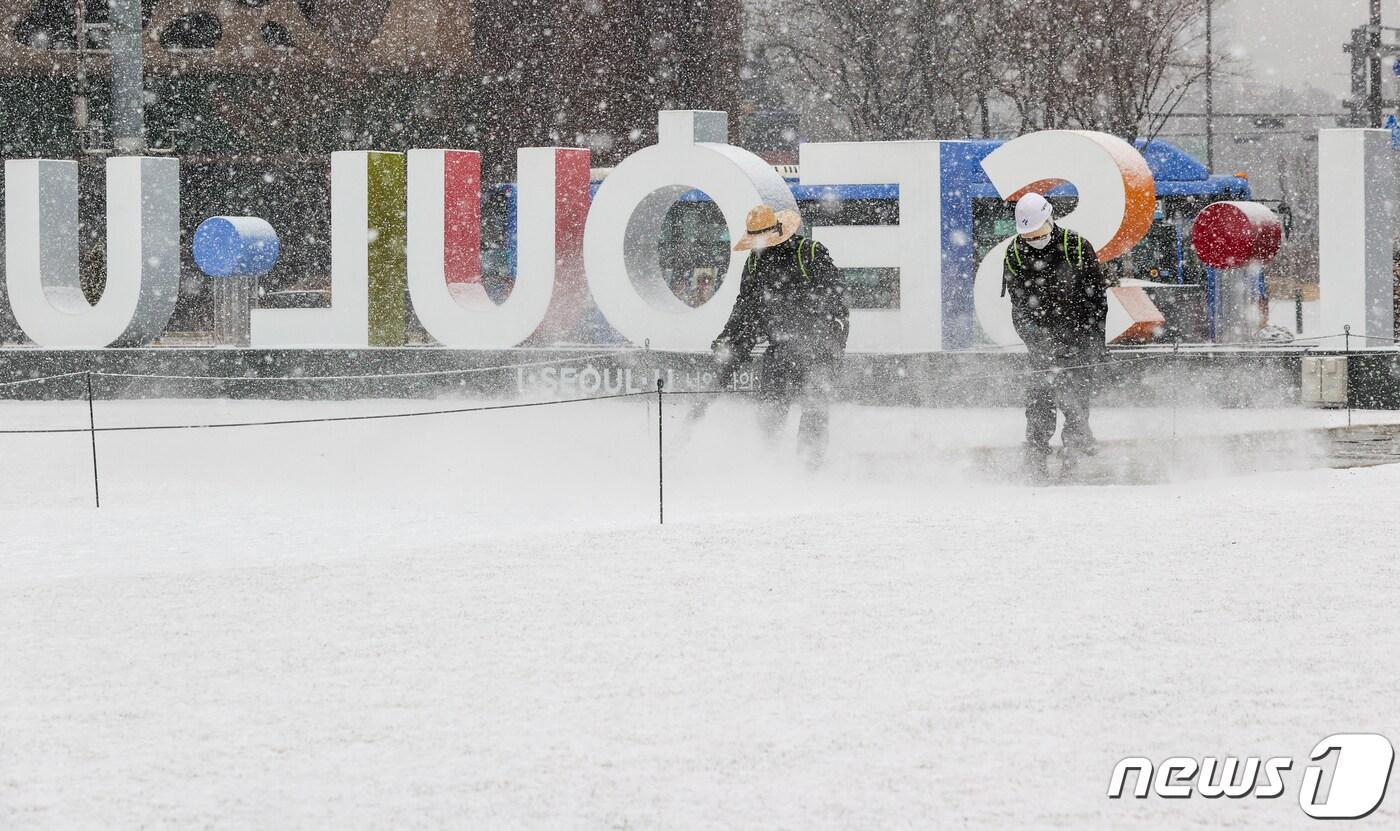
(790,295)
(1059,306)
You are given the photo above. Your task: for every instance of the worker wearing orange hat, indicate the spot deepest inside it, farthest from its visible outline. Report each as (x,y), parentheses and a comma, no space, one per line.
(792,297)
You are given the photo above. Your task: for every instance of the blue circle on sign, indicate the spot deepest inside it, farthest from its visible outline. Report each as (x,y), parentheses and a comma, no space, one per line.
(236,246)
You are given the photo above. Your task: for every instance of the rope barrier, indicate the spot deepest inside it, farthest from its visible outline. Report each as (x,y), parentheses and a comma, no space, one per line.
(41,379)
(92,430)
(320,420)
(1381,338)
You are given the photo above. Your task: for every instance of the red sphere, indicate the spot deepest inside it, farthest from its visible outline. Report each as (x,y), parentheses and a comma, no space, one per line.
(1233,234)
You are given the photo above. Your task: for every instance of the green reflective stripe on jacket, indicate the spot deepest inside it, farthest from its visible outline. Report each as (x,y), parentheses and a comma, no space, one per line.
(752,265)
(1079,242)
(1006,262)
(1014,249)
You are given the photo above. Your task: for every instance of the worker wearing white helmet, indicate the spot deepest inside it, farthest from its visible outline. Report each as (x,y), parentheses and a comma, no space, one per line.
(1033,219)
(1059,305)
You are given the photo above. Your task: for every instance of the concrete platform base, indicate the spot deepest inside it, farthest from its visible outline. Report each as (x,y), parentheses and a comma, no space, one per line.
(1146,376)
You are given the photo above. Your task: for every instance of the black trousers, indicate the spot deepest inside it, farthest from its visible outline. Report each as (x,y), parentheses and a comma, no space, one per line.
(797,376)
(1063,383)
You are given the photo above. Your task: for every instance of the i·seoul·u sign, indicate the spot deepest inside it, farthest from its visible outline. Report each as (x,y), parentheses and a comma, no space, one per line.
(409,226)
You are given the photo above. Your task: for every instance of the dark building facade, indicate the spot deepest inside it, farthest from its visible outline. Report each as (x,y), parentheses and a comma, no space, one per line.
(252,95)
(595,72)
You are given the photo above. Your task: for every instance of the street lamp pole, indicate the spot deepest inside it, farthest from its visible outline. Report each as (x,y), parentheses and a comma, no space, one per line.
(1373,55)
(1210,85)
(128,78)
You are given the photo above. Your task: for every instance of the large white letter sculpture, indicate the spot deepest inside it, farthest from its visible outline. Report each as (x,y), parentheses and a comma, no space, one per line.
(621,239)
(914,246)
(143,252)
(1117,198)
(1356,194)
(444,254)
(368,277)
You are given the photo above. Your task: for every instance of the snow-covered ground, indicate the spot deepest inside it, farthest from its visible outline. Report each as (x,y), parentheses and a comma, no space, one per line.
(473,621)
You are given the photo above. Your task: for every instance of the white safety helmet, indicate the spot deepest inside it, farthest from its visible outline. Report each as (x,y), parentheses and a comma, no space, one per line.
(1032,212)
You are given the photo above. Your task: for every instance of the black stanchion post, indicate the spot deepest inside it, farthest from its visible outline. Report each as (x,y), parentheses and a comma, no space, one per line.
(1175,381)
(92,434)
(660,455)
(651,368)
(1346,364)
(1298,309)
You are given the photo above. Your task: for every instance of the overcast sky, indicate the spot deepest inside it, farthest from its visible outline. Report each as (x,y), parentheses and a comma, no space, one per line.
(1296,42)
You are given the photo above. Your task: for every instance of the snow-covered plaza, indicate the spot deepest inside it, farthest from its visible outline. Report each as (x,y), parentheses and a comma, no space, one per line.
(474,621)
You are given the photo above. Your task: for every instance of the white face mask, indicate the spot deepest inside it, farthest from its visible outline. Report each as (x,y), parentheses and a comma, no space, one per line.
(1038,244)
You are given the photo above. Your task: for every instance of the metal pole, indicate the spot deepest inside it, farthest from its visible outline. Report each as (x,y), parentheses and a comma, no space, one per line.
(92,432)
(660,455)
(80,87)
(1373,58)
(1175,379)
(128,78)
(1210,85)
(1346,365)
(1356,104)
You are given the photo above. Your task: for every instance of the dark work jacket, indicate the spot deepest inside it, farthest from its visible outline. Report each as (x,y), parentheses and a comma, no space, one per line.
(1059,295)
(792,296)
